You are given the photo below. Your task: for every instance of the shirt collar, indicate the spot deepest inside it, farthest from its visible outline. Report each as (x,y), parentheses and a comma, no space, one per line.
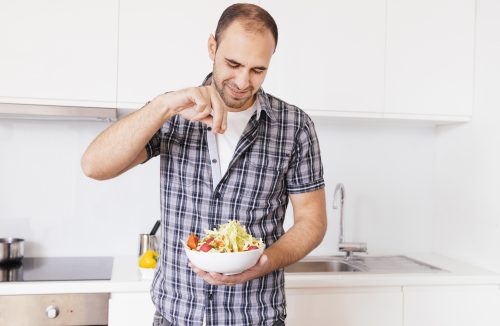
(263,101)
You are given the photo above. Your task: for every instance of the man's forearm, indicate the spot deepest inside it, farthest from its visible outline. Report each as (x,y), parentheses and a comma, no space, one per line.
(306,233)
(117,147)
(300,240)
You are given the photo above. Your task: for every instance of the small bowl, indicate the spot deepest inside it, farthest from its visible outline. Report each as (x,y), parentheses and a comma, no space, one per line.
(147,273)
(225,263)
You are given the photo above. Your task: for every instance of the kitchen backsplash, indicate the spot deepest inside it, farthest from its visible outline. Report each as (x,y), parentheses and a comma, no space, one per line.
(45,198)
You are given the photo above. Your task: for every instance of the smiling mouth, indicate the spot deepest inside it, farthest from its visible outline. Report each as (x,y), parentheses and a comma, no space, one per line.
(237,94)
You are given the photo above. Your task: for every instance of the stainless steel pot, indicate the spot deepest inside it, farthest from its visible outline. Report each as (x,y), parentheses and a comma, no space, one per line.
(11,272)
(11,250)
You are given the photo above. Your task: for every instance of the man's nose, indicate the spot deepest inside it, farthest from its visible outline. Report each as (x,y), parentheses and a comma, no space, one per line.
(242,80)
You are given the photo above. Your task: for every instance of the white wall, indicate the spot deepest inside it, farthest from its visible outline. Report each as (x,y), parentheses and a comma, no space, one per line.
(387,172)
(467,210)
(44,197)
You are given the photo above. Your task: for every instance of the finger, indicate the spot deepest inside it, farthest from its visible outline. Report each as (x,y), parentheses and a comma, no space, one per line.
(197,270)
(203,104)
(224,121)
(219,110)
(225,279)
(207,120)
(260,263)
(201,115)
(198,99)
(217,115)
(200,107)
(210,279)
(207,277)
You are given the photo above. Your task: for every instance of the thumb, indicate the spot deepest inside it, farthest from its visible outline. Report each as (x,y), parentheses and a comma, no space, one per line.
(263,260)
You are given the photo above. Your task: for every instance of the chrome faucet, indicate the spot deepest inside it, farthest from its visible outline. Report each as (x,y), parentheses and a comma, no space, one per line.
(338,203)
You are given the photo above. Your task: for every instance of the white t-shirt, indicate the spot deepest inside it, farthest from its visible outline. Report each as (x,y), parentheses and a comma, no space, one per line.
(227,142)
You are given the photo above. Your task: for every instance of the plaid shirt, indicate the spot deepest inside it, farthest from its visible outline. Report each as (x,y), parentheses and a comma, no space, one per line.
(277,155)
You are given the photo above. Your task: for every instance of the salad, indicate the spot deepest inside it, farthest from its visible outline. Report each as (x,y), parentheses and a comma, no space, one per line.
(229,237)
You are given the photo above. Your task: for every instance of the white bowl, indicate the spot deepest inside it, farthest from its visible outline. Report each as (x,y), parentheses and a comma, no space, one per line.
(226,263)
(147,273)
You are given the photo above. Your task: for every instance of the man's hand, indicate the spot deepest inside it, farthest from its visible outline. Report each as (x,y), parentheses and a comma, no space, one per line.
(220,279)
(199,104)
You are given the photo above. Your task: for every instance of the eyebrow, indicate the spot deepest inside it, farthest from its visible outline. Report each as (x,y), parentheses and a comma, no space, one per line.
(234,62)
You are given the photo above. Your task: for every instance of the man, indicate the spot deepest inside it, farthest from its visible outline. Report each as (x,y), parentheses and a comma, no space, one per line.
(228,151)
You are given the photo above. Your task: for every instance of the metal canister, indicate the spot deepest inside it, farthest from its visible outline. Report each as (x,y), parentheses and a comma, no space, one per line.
(146,242)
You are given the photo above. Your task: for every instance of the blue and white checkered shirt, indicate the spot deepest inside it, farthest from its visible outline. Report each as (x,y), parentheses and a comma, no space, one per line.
(277,155)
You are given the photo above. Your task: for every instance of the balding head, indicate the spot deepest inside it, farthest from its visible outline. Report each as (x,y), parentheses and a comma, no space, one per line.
(253,18)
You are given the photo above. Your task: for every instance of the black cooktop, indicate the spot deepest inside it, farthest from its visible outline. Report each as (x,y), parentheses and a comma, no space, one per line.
(57,269)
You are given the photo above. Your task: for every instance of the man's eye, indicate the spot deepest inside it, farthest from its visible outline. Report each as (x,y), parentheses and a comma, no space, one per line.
(258,72)
(232,65)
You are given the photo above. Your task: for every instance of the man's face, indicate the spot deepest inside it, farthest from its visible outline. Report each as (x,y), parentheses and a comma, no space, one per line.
(240,64)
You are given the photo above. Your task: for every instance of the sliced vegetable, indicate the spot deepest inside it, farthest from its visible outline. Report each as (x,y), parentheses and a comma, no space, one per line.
(192,241)
(205,248)
(229,237)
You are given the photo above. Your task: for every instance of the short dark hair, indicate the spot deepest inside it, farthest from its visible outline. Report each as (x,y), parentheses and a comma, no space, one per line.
(253,18)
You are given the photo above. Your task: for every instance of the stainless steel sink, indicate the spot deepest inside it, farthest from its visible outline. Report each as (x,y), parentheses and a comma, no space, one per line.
(366,264)
(393,264)
(320,266)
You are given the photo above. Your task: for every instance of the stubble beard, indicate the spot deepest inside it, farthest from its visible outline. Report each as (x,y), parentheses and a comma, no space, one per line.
(226,98)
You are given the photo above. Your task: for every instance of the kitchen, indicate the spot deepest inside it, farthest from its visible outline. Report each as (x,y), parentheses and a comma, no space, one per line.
(405,116)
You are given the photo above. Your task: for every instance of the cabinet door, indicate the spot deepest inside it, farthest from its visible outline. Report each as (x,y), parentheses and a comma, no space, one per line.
(59,52)
(346,307)
(451,305)
(131,309)
(330,54)
(430,57)
(163,46)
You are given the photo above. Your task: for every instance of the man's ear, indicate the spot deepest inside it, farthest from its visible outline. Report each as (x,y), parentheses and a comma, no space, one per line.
(212,47)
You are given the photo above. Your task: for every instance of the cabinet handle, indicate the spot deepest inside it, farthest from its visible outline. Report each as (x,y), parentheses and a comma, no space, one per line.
(52,312)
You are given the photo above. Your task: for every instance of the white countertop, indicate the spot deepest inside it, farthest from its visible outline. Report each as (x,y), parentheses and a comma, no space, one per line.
(455,273)
(126,277)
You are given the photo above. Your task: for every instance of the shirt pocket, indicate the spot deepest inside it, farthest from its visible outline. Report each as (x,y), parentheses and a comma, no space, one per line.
(183,164)
(263,176)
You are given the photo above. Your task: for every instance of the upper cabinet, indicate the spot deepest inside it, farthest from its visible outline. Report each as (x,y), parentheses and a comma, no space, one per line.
(163,46)
(59,52)
(430,57)
(330,55)
(410,59)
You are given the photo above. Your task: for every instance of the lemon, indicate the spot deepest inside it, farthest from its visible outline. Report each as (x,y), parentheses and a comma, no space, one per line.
(148,260)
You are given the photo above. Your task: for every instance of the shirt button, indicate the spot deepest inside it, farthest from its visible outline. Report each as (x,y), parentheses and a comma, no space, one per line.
(209,128)
(217,195)
(214,161)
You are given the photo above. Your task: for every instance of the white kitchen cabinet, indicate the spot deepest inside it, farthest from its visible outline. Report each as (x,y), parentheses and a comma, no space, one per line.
(330,55)
(430,57)
(452,305)
(345,306)
(131,309)
(59,52)
(163,46)
(364,58)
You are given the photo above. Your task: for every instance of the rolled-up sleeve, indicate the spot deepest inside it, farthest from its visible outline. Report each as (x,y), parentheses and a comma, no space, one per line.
(305,172)
(153,145)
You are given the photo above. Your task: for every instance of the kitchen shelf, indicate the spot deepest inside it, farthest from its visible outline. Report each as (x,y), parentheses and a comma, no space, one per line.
(56,112)
(355,116)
